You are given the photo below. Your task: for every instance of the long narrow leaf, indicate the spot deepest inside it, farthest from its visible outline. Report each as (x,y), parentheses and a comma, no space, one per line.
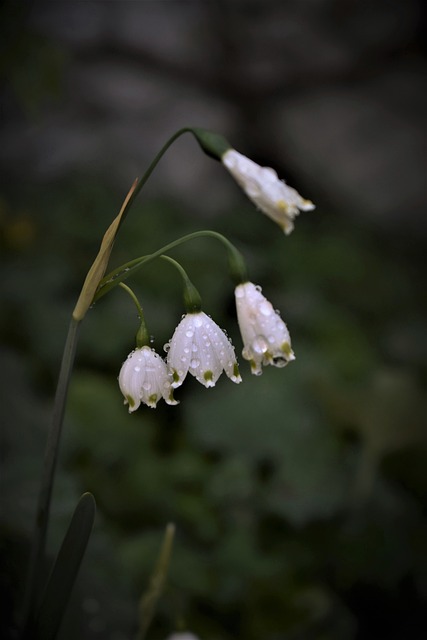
(66,567)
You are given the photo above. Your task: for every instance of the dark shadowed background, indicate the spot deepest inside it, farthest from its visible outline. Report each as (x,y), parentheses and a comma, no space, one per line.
(299,497)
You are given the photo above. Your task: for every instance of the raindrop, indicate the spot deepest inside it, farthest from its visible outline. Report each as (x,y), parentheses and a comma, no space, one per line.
(265,308)
(189,333)
(137,369)
(166,346)
(194,363)
(259,344)
(198,321)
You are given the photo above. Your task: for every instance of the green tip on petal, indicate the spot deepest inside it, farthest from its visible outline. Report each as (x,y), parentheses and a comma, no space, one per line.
(286,348)
(175,376)
(130,401)
(208,376)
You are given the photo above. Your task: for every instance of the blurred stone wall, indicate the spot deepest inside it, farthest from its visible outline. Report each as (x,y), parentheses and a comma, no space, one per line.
(329,91)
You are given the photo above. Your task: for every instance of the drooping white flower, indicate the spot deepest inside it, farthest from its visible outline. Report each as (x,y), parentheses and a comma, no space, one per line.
(200,347)
(266,339)
(144,378)
(270,194)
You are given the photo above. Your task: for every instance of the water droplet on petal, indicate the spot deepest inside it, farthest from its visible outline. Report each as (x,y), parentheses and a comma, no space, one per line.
(194,363)
(146,386)
(198,321)
(189,333)
(260,344)
(265,308)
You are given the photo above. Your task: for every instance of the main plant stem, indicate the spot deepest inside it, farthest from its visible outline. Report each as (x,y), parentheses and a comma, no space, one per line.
(48,473)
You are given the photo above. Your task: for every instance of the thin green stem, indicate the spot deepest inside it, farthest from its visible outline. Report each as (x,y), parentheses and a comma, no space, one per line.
(192,299)
(152,166)
(142,336)
(236,262)
(49,467)
(134,298)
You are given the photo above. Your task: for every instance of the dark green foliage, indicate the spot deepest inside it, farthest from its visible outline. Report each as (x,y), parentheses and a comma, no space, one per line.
(297,496)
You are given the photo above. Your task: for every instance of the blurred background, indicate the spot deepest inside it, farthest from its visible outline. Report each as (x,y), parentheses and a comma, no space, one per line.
(299,497)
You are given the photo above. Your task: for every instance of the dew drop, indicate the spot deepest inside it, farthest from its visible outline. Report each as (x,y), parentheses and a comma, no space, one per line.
(265,308)
(194,363)
(189,333)
(166,346)
(198,321)
(259,344)
(137,369)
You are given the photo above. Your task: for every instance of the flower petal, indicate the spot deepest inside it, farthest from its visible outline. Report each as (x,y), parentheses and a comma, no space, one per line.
(200,347)
(265,336)
(270,194)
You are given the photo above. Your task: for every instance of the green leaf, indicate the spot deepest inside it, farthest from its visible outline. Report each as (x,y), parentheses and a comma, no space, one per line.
(66,567)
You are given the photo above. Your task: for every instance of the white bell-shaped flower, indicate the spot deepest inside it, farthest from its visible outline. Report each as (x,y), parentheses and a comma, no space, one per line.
(144,378)
(200,347)
(270,194)
(266,339)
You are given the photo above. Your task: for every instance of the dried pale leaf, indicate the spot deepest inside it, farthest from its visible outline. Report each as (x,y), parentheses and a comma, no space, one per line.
(100,263)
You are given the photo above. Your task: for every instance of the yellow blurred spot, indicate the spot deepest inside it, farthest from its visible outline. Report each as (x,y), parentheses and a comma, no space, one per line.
(20,232)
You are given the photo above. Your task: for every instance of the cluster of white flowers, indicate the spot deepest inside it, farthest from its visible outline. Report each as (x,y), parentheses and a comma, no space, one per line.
(200,347)
(262,185)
